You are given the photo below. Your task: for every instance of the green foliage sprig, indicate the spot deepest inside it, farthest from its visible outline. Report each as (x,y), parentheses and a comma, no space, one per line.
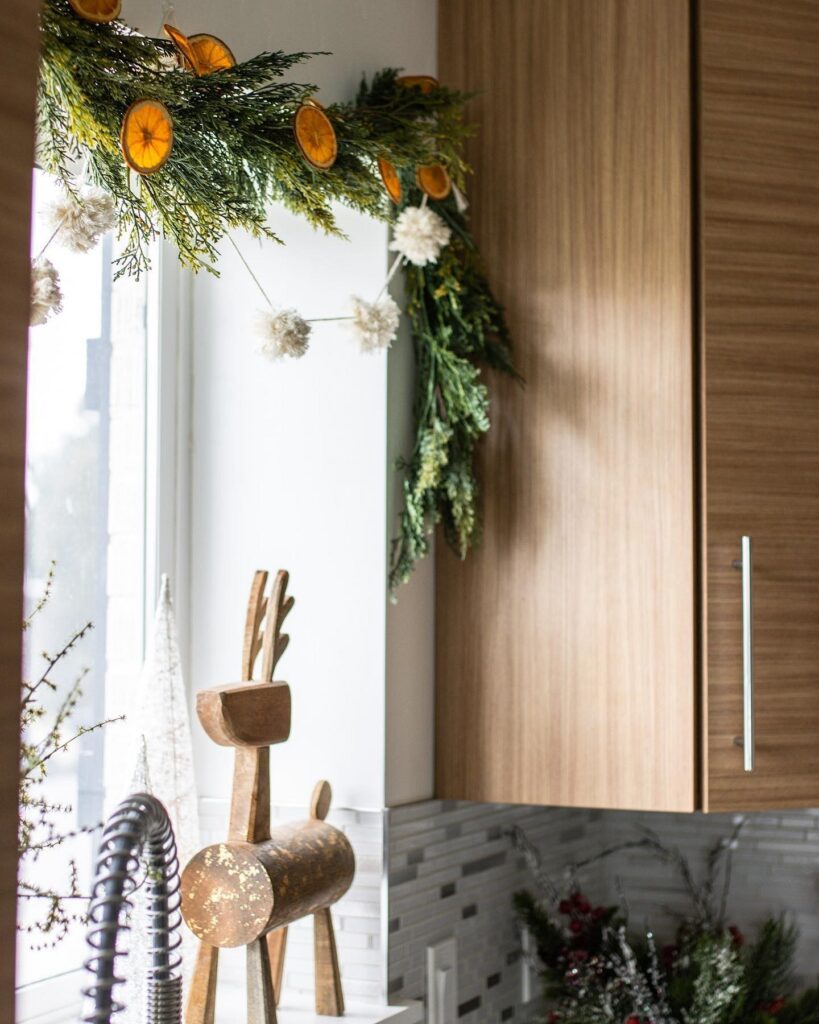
(458,328)
(594,972)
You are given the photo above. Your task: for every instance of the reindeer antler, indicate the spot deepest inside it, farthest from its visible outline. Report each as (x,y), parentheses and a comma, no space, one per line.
(275,642)
(265,616)
(256,608)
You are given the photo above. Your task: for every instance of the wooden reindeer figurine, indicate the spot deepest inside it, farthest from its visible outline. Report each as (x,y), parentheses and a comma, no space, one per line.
(246,891)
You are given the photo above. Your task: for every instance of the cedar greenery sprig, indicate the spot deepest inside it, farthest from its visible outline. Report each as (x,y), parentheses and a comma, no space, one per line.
(233,151)
(38,831)
(458,327)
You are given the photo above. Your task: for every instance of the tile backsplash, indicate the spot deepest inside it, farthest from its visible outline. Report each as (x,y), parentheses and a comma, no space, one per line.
(452,871)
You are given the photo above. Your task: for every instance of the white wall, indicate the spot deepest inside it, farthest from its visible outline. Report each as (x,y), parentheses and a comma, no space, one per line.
(291,463)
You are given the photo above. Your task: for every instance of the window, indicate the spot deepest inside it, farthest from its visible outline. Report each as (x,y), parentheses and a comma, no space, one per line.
(88,477)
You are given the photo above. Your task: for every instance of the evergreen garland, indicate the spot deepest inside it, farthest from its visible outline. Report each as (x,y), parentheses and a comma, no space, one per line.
(234,151)
(233,155)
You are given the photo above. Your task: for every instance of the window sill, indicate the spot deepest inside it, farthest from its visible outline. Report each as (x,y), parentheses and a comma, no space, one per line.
(57,1001)
(52,1001)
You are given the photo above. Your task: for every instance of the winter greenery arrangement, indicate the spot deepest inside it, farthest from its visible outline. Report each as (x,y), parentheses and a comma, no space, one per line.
(596,971)
(457,328)
(224,142)
(46,734)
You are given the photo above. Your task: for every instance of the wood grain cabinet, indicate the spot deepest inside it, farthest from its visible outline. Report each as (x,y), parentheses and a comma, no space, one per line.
(646,192)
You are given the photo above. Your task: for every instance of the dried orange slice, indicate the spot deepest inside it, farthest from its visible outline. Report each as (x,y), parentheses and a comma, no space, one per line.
(315,135)
(389,175)
(434,180)
(183,48)
(96,10)
(211,53)
(426,83)
(146,136)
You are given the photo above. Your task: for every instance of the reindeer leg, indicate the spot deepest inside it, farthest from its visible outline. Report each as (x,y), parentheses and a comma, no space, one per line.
(276,946)
(261,1004)
(201,1006)
(329,997)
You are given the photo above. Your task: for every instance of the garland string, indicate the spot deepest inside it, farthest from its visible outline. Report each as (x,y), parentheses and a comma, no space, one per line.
(266,297)
(50,239)
(249,269)
(396,263)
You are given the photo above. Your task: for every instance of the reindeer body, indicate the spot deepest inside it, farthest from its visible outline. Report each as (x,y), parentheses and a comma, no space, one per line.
(246,891)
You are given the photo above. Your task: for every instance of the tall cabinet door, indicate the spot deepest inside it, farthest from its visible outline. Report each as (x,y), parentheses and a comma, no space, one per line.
(566,641)
(759,132)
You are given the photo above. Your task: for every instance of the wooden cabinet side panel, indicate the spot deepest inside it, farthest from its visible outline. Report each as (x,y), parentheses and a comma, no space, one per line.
(18,25)
(565,645)
(759,98)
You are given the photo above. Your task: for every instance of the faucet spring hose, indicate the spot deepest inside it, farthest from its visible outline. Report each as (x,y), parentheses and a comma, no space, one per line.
(164,1001)
(138,830)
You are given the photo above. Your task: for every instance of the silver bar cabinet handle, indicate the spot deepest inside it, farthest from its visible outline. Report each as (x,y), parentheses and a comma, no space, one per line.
(747,654)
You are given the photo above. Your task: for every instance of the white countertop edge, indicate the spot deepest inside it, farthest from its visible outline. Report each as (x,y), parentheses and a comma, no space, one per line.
(405,1013)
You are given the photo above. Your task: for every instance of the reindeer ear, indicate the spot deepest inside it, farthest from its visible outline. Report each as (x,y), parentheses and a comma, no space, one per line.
(275,642)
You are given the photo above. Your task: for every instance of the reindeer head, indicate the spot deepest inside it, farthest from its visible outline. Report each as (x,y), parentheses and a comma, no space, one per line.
(254,713)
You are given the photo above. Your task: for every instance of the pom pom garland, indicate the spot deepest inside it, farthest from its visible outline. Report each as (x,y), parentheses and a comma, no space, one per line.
(79,221)
(420,235)
(283,333)
(46,296)
(374,324)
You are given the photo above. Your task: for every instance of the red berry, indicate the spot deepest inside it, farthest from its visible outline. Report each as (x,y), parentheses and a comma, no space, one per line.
(584,906)
(554,1017)
(775,1006)
(598,912)
(564,907)
(575,927)
(736,935)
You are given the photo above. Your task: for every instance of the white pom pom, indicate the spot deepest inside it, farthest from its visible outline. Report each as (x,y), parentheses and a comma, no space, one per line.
(83,219)
(46,297)
(420,235)
(283,333)
(374,324)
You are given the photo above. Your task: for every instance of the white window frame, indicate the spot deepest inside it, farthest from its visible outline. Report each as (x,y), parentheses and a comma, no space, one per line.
(169,439)
(169,387)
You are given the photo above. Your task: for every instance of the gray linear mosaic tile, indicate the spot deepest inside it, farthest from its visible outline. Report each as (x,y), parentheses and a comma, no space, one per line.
(467,842)
(468,872)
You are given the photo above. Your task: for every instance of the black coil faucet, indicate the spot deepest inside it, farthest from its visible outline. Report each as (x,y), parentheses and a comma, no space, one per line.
(139,831)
